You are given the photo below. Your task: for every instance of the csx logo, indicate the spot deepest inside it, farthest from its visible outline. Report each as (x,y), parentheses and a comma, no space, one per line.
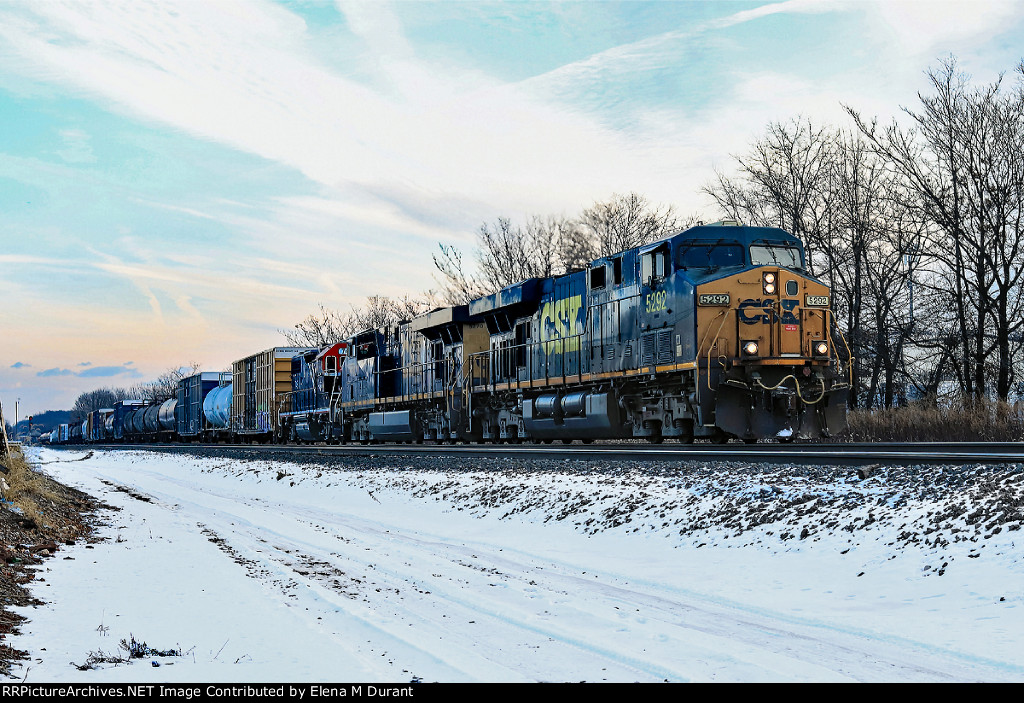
(562,322)
(765,311)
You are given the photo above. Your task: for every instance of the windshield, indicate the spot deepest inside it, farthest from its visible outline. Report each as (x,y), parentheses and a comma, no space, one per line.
(779,255)
(710,256)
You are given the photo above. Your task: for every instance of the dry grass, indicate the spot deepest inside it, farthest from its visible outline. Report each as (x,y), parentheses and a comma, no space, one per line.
(25,488)
(964,421)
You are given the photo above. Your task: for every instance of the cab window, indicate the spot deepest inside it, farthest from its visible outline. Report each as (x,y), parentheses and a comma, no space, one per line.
(776,255)
(654,265)
(709,256)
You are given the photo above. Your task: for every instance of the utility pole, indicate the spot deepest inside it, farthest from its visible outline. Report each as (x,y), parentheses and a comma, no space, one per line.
(4,449)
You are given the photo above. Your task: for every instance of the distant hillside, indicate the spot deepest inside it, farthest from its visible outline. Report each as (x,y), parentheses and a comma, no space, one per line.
(44,422)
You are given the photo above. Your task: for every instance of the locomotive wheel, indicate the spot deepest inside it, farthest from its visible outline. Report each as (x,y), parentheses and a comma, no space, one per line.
(685,428)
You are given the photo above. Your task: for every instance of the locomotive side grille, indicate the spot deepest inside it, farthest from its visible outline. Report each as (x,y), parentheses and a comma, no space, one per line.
(656,347)
(665,346)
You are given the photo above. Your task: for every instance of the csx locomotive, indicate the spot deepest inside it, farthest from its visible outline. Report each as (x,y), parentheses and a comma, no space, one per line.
(714,333)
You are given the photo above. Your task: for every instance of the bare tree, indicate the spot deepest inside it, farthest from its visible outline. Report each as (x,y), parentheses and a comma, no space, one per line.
(330,326)
(626,221)
(165,386)
(961,166)
(576,248)
(507,253)
(870,243)
(783,181)
(458,286)
(98,399)
(381,311)
(318,329)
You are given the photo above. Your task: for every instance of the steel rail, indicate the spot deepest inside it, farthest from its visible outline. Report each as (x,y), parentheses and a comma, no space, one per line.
(846,454)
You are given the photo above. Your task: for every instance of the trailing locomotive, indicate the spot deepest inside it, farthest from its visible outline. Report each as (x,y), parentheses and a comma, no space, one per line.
(717,332)
(714,333)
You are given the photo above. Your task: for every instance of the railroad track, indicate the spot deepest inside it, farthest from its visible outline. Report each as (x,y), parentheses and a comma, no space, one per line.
(851,454)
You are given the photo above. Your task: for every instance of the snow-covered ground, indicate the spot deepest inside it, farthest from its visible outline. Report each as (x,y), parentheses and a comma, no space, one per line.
(375,569)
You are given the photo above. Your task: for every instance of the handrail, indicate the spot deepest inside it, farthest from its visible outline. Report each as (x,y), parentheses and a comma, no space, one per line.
(488,355)
(724,314)
(849,354)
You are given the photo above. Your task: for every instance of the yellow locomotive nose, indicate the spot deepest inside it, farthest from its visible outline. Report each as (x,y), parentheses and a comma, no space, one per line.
(766,354)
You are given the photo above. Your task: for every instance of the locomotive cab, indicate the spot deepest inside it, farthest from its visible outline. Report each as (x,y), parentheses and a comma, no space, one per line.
(765,357)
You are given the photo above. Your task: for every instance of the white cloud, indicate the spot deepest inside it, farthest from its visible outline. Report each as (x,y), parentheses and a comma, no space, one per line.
(239,74)
(77,147)
(400,151)
(932,28)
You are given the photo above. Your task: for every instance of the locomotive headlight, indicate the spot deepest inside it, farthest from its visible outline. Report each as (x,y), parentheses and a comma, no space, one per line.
(768,283)
(769,278)
(750,348)
(821,349)
(769,288)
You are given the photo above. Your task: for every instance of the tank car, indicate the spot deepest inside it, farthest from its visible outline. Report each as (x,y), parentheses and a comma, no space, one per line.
(217,411)
(192,422)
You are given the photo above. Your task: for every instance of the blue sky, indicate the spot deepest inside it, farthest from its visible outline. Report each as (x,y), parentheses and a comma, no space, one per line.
(179,180)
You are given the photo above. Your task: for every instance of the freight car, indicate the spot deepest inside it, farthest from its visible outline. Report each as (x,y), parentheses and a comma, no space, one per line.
(714,333)
(261,392)
(195,421)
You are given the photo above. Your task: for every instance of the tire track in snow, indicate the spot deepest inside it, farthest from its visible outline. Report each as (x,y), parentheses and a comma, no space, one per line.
(749,643)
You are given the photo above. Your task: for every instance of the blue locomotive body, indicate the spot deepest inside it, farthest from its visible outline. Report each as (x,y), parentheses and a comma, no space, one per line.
(646,343)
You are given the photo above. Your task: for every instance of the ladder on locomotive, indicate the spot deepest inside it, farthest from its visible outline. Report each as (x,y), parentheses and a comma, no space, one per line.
(334,410)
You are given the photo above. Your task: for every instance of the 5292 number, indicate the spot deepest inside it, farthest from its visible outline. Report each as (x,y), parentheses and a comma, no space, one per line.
(658,300)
